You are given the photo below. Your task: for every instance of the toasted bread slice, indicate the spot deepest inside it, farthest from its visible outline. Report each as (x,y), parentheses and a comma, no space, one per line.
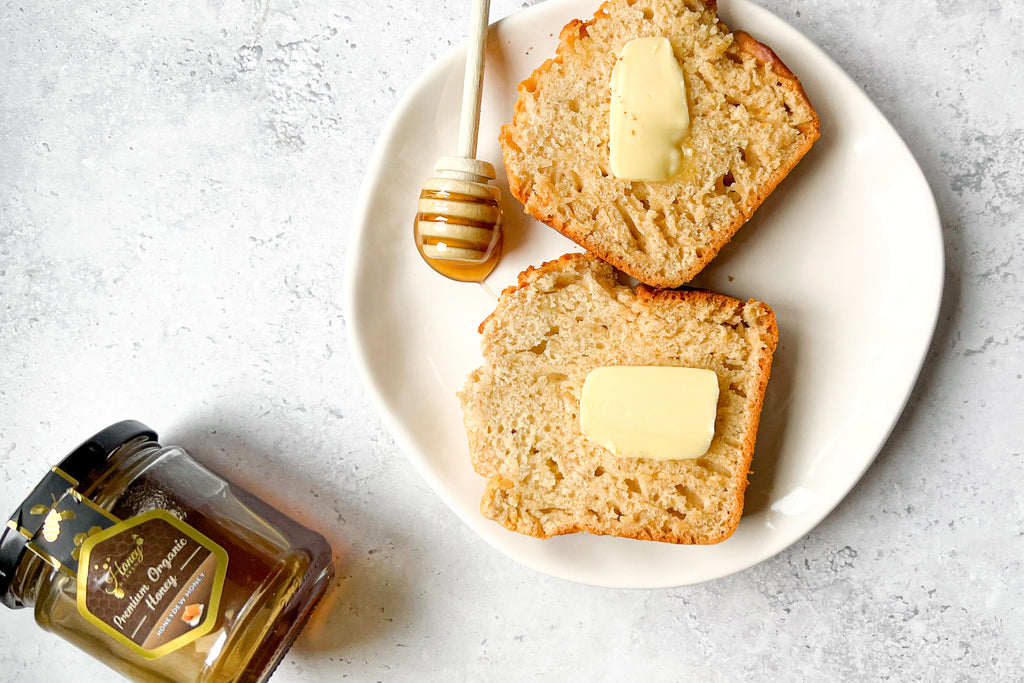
(750,123)
(521,408)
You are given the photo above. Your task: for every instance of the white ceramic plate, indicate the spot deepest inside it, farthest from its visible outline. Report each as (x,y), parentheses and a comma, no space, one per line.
(847,251)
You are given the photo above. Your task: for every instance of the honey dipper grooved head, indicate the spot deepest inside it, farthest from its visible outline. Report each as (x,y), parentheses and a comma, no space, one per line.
(458,221)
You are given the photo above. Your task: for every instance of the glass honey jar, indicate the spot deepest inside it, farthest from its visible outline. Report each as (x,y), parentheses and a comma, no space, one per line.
(158,567)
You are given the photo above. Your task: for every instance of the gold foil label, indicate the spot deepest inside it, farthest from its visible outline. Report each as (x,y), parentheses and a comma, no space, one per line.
(28,518)
(152,582)
(64,527)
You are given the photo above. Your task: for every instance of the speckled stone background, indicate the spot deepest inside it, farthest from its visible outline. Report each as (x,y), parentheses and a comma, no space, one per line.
(177,182)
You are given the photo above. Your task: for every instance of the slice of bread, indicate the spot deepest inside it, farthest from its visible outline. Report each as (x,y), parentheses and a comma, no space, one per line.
(521,409)
(750,122)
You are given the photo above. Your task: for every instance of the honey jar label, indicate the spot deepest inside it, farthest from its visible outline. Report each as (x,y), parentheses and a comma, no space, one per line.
(64,528)
(151,582)
(33,511)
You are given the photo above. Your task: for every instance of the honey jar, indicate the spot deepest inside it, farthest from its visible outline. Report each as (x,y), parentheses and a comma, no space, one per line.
(157,566)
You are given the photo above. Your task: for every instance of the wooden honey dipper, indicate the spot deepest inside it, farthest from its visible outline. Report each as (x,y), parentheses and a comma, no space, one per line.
(458,222)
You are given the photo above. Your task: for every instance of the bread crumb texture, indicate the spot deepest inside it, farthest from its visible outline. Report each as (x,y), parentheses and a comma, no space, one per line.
(521,408)
(750,123)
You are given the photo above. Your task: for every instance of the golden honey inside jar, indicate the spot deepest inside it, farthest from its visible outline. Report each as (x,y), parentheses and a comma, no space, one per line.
(158,567)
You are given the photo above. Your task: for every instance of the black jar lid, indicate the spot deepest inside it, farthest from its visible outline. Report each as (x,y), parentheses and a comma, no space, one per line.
(91,455)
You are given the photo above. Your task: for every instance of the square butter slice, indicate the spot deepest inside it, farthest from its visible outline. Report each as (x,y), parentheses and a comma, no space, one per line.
(664,413)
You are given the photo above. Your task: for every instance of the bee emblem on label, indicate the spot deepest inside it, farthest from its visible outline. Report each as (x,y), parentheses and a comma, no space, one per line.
(51,525)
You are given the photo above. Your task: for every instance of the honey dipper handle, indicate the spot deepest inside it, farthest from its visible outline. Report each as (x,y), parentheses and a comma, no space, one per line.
(469,120)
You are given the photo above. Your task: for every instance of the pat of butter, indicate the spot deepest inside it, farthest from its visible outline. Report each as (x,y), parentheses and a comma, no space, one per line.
(665,413)
(649,116)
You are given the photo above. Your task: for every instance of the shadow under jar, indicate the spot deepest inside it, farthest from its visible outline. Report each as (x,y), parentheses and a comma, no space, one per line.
(158,567)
